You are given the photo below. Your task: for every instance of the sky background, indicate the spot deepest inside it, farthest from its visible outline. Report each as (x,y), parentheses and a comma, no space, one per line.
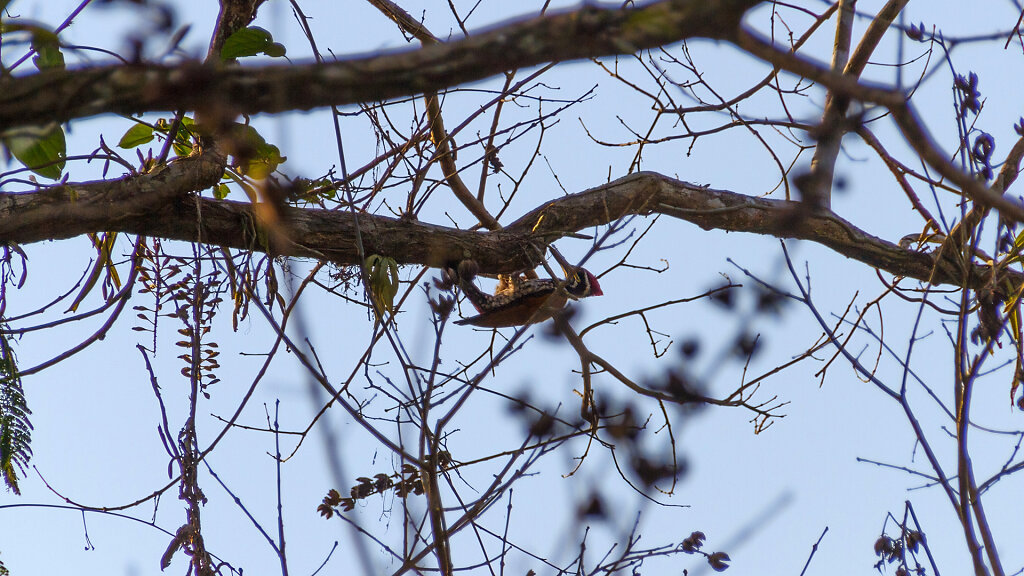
(764,498)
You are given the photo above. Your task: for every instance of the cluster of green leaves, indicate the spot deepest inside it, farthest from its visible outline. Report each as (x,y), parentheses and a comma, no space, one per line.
(143,133)
(251,155)
(42,149)
(15,428)
(313,191)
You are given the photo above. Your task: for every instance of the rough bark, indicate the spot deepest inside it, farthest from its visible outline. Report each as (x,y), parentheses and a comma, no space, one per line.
(157,205)
(587,32)
(160,203)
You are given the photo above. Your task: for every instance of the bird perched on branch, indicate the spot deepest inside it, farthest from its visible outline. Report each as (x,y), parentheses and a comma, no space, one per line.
(520,301)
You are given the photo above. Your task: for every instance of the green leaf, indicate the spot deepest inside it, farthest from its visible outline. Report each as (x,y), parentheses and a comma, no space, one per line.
(220,191)
(382,274)
(252,155)
(140,134)
(47,47)
(40,148)
(250,42)
(44,42)
(247,136)
(276,50)
(182,149)
(313,191)
(136,136)
(185,131)
(104,244)
(267,159)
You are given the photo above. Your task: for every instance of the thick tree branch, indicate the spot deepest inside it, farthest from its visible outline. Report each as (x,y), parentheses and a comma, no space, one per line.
(104,205)
(583,33)
(650,193)
(145,205)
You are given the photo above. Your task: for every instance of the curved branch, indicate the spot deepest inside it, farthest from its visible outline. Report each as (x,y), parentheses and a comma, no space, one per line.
(130,206)
(582,33)
(651,193)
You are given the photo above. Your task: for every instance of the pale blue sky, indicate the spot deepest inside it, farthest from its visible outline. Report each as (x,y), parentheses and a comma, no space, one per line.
(95,417)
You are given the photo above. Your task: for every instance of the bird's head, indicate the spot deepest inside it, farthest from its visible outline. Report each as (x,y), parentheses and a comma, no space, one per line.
(579,282)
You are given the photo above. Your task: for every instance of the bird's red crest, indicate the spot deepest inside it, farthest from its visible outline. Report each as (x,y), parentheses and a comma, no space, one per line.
(595,286)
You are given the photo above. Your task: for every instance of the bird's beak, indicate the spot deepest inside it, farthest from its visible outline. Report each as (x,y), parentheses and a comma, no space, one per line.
(566,267)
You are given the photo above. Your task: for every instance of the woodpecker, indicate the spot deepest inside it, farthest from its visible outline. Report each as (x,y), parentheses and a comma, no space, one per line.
(519,301)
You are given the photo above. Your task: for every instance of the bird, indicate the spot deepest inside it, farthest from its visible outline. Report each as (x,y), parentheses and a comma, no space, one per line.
(523,301)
